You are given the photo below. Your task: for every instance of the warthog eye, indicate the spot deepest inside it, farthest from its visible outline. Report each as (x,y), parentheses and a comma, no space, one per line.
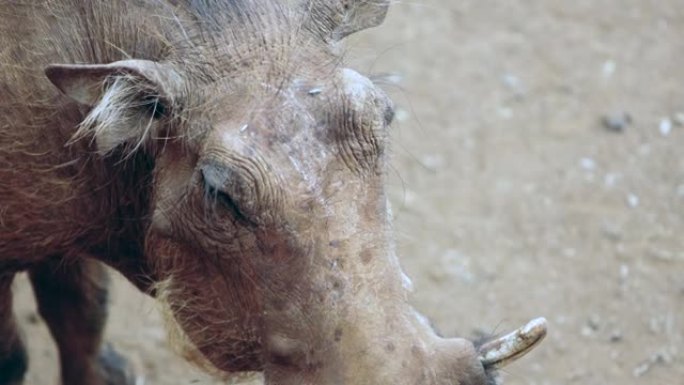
(215,195)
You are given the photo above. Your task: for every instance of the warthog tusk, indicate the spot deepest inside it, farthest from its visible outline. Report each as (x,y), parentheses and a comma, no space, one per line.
(504,350)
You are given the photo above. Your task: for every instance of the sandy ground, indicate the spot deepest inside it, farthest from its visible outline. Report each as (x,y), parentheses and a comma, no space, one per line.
(512,199)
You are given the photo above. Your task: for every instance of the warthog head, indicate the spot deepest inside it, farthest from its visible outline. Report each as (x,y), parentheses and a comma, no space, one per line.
(269,224)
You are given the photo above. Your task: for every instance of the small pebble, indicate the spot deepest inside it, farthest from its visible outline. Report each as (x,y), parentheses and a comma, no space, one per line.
(588,164)
(624,272)
(594,321)
(641,369)
(632,200)
(610,179)
(615,336)
(662,357)
(665,126)
(514,84)
(608,68)
(616,122)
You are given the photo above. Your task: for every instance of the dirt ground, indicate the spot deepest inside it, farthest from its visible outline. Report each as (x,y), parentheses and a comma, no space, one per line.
(512,198)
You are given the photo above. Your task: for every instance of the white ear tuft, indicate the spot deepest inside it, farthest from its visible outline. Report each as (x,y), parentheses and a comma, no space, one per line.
(126,98)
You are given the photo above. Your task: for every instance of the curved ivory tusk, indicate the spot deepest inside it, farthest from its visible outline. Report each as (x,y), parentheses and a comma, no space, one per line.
(504,350)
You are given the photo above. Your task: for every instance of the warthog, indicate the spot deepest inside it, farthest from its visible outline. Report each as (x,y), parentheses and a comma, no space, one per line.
(219,155)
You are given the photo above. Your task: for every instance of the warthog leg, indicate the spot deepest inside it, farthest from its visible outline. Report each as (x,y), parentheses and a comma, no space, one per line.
(13,359)
(72,299)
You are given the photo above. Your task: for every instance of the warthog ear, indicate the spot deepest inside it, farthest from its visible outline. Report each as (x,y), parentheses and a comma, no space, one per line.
(127,98)
(336,19)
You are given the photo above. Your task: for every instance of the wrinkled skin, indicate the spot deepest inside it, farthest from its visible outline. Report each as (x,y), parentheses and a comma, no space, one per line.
(223,160)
